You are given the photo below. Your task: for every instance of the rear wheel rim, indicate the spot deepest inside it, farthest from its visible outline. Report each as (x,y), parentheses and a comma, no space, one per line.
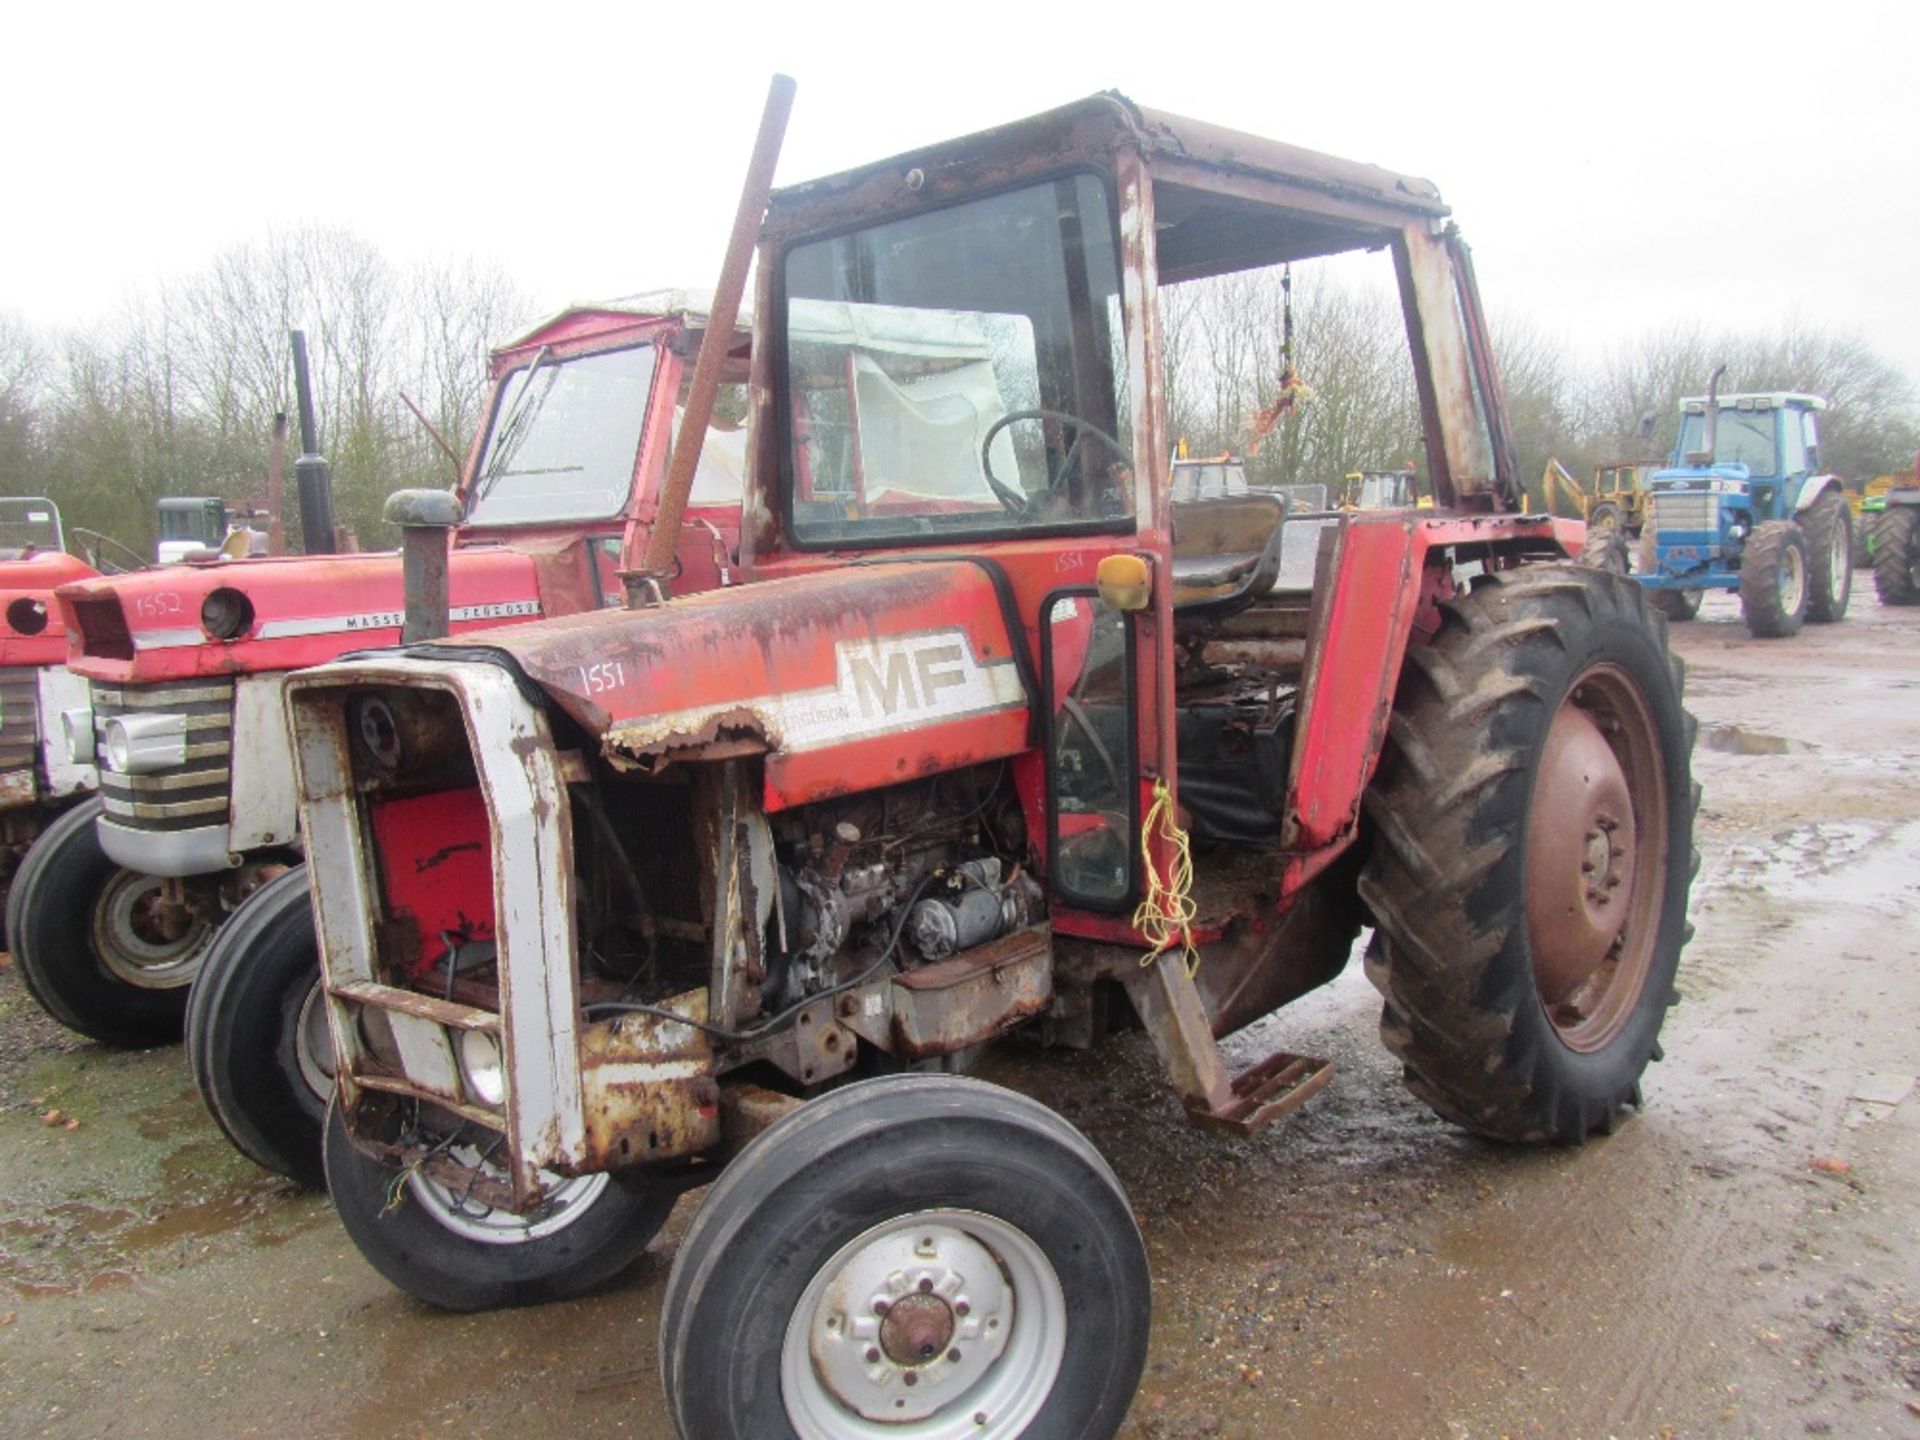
(1596,859)
(129,942)
(1841,566)
(929,1326)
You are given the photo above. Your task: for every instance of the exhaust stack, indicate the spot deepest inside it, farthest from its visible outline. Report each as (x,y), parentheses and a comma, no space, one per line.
(312,476)
(1710,432)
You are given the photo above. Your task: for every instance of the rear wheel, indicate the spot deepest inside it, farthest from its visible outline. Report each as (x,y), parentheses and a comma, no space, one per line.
(257,1038)
(428,1231)
(1534,851)
(1606,547)
(922,1256)
(1829,529)
(92,942)
(1773,580)
(1896,555)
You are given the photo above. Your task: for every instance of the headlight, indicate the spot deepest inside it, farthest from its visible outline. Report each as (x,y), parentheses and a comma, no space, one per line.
(27,616)
(76,725)
(142,744)
(483,1067)
(226,613)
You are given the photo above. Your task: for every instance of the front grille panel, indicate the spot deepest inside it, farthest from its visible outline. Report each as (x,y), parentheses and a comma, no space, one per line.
(19,722)
(190,795)
(1688,510)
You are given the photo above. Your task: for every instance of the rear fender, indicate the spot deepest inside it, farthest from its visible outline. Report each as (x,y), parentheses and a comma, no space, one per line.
(1378,586)
(1812,488)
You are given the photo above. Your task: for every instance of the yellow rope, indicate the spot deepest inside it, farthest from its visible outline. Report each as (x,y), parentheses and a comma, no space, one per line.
(1168,912)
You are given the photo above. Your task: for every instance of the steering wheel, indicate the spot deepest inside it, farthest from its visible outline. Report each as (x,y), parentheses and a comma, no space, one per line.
(1017,501)
(98,546)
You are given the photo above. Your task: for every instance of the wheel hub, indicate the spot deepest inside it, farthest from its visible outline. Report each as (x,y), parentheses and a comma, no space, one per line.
(910,1322)
(1580,855)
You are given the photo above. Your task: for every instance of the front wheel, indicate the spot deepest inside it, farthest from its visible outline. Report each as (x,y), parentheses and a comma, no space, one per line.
(1678,605)
(94,945)
(1829,530)
(257,1040)
(1533,817)
(1773,580)
(1606,547)
(920,1256)
(427,1228)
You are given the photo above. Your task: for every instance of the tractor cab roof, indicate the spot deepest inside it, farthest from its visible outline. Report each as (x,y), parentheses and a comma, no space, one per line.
(1216,188)
(1755,400)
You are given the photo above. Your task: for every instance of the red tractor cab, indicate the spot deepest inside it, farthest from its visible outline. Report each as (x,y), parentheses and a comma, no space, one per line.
(120,901)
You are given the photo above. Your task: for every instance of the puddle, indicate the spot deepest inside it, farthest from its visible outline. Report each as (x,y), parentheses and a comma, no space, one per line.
(1738,740)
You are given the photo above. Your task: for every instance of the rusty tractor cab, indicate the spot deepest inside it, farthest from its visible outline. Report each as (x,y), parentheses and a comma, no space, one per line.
(178,894)
(1000,737)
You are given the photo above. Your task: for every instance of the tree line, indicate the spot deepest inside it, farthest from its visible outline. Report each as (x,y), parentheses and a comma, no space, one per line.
(1222,340)
(176,393)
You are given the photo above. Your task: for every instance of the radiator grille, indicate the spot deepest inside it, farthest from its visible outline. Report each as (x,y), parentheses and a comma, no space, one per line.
(190,795)
(19,724)
(1686,510)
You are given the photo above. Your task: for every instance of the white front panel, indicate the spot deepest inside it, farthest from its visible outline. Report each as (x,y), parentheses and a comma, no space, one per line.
(262,806)
(61,690)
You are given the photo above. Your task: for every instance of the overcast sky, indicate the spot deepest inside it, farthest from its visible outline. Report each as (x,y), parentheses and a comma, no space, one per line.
(1618,166)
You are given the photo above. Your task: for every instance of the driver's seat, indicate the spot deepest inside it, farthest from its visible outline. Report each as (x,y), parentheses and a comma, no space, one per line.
(1226,552)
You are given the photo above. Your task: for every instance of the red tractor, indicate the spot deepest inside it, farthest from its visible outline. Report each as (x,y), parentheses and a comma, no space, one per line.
(998,737)
(125,900)
(38,778)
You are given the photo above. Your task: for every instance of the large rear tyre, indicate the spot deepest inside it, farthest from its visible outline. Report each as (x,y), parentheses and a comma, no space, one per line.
(921,1256)
(1533,818)
(84,934)
(1829,530)
(1677,605)
(1896,556)
(430,1237)
(257,1038)
(1773,580)
(1606,547)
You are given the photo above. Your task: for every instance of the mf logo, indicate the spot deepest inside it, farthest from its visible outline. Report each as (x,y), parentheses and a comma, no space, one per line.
(890,681)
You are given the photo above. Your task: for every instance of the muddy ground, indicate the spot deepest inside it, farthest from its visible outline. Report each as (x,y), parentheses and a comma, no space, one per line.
(1739,1260)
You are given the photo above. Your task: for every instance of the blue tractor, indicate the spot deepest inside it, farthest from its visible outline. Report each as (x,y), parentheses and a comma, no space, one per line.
(1744,507)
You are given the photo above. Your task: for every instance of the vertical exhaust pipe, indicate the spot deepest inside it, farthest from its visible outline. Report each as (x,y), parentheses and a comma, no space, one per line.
(646,583)
(426,519)
(1710,432)
(311,473)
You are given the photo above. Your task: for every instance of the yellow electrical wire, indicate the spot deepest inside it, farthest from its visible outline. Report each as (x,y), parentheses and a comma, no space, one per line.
(1167,912)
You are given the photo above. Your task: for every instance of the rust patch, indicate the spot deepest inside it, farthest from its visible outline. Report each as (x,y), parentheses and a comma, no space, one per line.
(976,995)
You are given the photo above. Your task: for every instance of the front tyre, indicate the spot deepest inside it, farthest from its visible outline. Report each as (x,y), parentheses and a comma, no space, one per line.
(1829,530)
(428,1233)
(920,1256)
(1773,580)
(257,1040)
(1533,817)
(89,942)
(1678,605)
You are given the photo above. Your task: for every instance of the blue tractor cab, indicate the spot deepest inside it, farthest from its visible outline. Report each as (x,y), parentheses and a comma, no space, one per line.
(1744,507)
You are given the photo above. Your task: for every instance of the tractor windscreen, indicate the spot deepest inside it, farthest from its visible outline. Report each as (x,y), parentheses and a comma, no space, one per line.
(27,525)
(564,439)
(960,372)
(1744,437)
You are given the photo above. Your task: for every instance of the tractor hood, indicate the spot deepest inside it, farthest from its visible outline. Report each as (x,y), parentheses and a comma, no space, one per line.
(845,679)
(31,632)
(286,612)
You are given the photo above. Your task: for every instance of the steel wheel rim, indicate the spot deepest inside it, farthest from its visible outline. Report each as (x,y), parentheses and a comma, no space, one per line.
(123,942)
(471,1220)
(1585,878)
(313,1044)
(1793,579)
(983,1343)
(1841,564)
